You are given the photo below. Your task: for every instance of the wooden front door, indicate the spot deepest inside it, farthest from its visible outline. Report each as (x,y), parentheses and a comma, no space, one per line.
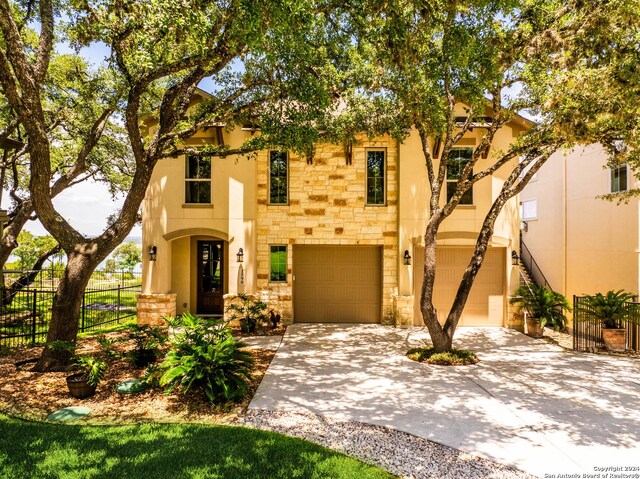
(210,277)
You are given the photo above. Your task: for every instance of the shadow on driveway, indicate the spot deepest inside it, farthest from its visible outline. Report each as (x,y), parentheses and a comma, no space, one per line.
(527,403)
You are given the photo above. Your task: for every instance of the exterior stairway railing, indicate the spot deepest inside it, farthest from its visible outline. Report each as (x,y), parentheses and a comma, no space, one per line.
(529,263)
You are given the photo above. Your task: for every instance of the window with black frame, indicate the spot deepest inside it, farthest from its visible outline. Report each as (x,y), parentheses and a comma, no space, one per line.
(197,180)
(278,263)
(376,188)
(456,161)
(278,177)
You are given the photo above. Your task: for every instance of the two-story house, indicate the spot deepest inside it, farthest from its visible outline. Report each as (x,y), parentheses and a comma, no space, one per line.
(335,238)
(582,243)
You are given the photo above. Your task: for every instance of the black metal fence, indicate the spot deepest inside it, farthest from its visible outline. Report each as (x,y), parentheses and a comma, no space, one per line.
(25,313)
(587,330)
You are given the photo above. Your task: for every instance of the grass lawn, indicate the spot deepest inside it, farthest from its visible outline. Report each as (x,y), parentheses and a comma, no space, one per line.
(31,449)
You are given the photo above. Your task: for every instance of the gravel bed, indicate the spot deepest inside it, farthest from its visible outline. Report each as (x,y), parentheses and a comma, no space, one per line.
(402,454)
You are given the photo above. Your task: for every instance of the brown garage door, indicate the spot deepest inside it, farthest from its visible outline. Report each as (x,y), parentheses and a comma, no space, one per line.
(485,305)
(337,284)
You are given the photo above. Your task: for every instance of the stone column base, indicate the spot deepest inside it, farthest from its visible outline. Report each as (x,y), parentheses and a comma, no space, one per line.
(403,306)
(152,308)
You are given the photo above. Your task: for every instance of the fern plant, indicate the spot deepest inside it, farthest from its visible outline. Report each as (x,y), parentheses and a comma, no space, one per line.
(610,308)
(203,354)
(543,304)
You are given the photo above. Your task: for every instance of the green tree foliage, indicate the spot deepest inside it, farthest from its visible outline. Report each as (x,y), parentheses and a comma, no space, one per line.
(495,57)
(272,63)
(30,248)
(127,256)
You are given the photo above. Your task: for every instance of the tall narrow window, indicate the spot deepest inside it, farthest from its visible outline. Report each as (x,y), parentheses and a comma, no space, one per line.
(278,264)
(456,161)
(619,179)
(197,179)
(278,177)
(376,187)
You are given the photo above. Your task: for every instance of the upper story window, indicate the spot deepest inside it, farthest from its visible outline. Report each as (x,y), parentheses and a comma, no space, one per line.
(376,177)
(456,161)
(197,179)
(529,209)
(619,179)
(278,178)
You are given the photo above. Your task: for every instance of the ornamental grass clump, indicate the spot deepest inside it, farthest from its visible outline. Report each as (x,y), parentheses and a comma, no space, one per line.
(204,355)
(452,357)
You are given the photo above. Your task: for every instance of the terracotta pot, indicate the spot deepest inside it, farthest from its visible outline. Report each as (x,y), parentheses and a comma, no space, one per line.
(615,340)
(534,327)
(78,386)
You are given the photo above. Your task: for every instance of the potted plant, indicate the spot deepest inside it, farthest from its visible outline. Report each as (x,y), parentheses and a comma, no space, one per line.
(147,344)
(83,384)
(543,307)
(610,309)
(251,313)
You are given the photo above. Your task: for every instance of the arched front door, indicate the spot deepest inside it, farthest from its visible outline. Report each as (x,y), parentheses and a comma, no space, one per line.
(211,266)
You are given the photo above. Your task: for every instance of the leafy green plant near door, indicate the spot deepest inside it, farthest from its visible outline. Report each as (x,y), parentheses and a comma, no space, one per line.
(204,355)
(543,306)
(147,341)
(611,310)
(251,313)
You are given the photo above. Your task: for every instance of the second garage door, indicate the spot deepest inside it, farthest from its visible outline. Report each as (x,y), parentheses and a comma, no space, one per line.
(337,284)
(485,305)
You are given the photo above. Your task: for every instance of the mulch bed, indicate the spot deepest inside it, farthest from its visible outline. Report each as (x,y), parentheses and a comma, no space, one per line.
(33,395)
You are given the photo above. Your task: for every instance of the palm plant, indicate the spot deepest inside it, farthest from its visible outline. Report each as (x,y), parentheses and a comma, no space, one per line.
(609,308)
(543,304)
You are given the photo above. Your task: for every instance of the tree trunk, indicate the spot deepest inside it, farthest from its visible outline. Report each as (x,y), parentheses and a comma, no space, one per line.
(65,312)
(440,339)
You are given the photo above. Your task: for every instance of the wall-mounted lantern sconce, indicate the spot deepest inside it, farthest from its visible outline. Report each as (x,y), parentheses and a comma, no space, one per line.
(153,253)
(515,259)
(407,258)
(240,255)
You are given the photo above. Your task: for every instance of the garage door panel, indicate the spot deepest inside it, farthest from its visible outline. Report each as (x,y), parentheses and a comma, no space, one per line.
(337,283)
(485,304)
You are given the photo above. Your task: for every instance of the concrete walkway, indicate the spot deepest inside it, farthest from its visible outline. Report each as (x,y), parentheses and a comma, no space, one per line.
(527,403)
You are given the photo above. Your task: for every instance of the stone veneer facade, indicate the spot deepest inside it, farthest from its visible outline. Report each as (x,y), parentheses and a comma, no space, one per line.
(327,207)
(153,308)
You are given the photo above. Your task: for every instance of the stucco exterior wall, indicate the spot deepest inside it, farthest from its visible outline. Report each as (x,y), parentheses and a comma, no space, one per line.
(327,206)
(599,251)
(464,224)
(170,224)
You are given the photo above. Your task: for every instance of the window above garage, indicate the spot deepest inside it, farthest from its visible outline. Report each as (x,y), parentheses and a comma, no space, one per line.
(376,177)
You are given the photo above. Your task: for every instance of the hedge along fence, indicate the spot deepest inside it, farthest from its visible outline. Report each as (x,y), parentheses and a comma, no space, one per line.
(25,314)
(587,330)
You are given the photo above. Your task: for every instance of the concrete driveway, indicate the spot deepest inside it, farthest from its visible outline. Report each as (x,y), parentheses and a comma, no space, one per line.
(527,403)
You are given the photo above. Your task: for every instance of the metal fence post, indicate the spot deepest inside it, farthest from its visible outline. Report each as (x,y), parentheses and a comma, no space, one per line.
(118,306)
(84,296)
(33,316)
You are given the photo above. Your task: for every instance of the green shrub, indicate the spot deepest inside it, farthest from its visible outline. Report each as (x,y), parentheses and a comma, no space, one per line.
(610,308)
(250,312)
(543,304)
(147,343)
(203,354)
(452,357)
